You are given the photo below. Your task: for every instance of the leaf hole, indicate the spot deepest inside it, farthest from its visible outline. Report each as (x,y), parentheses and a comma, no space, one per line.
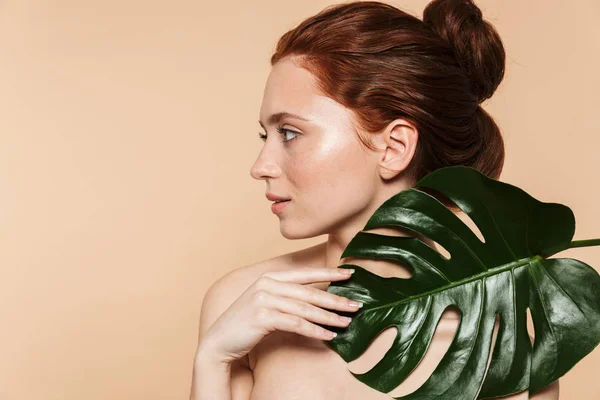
(530,326)
(469,222)
(452,206)
(382,268)
(440,249)
(375,352)
(397,231)
(492,345)
(440,342)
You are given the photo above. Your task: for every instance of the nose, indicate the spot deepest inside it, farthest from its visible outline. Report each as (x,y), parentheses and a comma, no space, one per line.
(265,166)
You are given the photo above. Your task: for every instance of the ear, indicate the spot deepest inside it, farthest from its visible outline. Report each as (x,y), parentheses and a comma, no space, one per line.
(399,140)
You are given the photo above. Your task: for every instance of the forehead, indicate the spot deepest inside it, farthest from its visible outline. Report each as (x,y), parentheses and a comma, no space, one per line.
(291,88)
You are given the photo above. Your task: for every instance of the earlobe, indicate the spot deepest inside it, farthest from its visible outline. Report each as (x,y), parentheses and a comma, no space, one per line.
(400,138)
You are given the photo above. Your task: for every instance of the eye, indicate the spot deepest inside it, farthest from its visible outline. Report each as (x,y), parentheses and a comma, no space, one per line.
(287,131)
(283,132)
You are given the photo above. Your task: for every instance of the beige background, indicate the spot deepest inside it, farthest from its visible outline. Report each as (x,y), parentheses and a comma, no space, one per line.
(127,132)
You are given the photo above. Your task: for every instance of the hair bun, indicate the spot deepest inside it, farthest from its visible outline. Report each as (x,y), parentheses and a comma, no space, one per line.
(474,41)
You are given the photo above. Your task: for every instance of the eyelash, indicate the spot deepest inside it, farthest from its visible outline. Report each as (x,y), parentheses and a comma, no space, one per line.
(282,131)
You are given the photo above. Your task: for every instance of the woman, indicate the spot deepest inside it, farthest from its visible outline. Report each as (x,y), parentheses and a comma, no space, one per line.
(362,100)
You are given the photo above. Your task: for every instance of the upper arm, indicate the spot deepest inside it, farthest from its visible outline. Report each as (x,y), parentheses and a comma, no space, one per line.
(550,392)
(222,294)
(226,290)
(217,299)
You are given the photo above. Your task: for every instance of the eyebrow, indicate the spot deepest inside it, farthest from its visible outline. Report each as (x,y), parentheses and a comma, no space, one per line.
(275,118)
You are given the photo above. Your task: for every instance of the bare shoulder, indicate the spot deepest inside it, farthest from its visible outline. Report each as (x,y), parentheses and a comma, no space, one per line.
(550,392)
(237,280)
(225,290)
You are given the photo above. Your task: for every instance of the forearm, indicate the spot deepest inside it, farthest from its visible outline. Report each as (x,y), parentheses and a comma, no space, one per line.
(211,378)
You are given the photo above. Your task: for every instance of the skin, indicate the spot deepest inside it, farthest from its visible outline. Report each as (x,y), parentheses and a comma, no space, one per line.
(335,184)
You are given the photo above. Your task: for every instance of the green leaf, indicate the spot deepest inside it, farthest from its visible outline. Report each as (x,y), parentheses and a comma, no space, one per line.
(504,275)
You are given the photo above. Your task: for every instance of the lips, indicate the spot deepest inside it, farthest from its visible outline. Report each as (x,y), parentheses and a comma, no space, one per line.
(273,197)
(278,206)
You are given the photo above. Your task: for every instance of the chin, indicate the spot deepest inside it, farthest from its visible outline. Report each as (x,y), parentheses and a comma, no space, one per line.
(294,235)
(292,231)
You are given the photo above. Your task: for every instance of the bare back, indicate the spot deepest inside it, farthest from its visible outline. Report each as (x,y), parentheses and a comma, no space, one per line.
(291,366)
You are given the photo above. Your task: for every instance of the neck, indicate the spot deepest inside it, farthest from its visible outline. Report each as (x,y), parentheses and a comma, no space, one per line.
(335,247)
(337,243)
(339,239)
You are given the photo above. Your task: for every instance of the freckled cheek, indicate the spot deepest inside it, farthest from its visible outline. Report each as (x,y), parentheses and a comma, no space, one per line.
(325,175)
(305,174)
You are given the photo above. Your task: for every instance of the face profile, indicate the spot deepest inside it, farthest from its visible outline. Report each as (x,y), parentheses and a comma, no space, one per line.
(317,162)
(313,157)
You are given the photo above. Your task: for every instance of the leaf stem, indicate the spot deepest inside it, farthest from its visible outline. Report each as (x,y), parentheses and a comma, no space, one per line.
(584,243)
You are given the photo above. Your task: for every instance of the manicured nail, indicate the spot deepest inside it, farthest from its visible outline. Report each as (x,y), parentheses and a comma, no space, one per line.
(355,304)
(346,271)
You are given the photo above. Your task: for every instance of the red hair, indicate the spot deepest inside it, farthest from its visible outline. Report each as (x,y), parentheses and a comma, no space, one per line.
(383,63)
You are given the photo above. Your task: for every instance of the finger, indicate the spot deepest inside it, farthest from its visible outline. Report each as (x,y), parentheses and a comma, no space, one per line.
(307,294)
(303,275)
(308,311)
(295,324)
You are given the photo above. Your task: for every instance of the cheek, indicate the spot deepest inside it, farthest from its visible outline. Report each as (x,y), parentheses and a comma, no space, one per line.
(332,175)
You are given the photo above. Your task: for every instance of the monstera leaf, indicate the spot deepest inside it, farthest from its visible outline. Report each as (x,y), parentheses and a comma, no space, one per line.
(504,276)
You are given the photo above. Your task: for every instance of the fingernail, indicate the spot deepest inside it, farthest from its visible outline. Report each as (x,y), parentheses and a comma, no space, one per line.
(347,271)
(355,304)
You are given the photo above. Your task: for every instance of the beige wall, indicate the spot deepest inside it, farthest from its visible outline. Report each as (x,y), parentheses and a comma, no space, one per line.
(127,131)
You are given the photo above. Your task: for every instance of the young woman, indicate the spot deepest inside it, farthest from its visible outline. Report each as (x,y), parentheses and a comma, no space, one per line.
(362,100)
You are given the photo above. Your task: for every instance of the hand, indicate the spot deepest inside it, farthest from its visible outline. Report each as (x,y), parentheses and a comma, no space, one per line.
(277,300)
